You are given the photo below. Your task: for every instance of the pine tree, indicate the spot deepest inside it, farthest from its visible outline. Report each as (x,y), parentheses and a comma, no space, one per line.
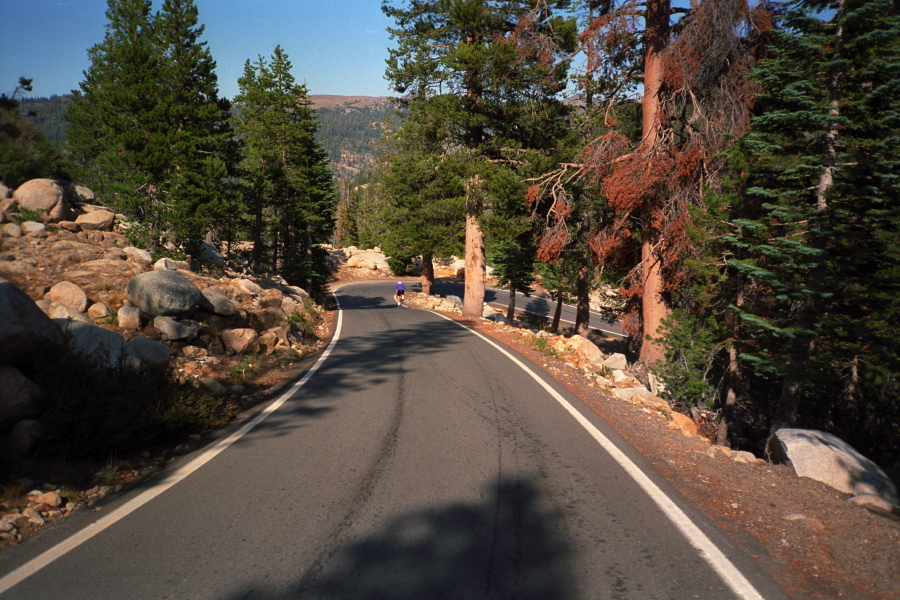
(495,66)
(289,188)
(115,133)
(421,190)
(146,127)
(203,153)
(822,253)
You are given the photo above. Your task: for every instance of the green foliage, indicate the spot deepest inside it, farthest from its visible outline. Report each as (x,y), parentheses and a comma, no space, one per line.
(23,214)
(542,345)
(287,181)
(25,153)
(798,266)
(695,360)
(147,129)
(306,320)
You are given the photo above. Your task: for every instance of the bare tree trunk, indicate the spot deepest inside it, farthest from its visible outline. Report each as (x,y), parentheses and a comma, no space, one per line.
(473,302)
(427,277)
(256,257)
(732,321)
(557,314)
(653,305)
(511,307)
(583,307)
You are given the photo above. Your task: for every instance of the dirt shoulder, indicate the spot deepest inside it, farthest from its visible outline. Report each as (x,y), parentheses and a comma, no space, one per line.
(804,534)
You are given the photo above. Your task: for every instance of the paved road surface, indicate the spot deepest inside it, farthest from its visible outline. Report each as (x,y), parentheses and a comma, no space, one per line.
(537,305)
(418,461)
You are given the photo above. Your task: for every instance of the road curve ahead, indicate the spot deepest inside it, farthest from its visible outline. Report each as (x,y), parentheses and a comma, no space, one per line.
(418,461)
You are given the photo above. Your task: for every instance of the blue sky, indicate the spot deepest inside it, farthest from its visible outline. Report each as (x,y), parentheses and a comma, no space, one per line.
(336,46)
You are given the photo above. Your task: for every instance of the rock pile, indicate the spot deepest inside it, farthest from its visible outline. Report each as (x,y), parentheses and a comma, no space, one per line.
(359,264)
(71,276)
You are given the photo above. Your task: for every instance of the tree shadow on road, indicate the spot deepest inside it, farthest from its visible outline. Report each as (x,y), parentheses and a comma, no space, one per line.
(359,363)
(506,546)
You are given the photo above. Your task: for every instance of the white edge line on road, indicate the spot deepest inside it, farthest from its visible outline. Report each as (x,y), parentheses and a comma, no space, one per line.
(70,543)
(729,573)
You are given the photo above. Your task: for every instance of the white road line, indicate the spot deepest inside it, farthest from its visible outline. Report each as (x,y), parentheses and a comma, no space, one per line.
(69,544)
(729,573)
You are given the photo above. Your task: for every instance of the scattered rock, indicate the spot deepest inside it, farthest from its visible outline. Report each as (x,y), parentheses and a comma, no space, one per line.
(217,303)
(98,220)
(616,361)
(171,330)
(10,230)
(34,229)
(214,387)
(99,311)
(167,264)
(139,254)
(875,503)
(685,424)
(208,253)
(104,348)
(68,294)
(61,312)
(241,340)
(129,317)
(148,352)
(249,287)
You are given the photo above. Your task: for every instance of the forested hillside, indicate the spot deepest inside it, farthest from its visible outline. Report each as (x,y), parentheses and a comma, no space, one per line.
(349,126)
(349,130)
(47,116)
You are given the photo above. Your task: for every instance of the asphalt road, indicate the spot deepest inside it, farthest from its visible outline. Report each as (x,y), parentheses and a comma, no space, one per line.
(417,461)
(533,304)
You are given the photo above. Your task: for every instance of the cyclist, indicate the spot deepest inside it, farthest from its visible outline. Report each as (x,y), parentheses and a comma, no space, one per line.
(398,295)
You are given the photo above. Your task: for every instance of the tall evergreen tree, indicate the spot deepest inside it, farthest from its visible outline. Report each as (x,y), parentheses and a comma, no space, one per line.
(289,186)
(495,64)
(823,253)
(115,133)
(147,129)
(203,151)
(421,190)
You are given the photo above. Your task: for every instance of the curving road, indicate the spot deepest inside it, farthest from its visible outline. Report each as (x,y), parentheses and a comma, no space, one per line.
(418,461)
(534,304)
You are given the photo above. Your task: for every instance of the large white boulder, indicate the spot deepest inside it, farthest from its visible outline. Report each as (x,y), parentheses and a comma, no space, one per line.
(829,459)
(167,293)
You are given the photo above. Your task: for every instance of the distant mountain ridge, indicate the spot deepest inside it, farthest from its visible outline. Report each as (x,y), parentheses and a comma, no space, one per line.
(349,126)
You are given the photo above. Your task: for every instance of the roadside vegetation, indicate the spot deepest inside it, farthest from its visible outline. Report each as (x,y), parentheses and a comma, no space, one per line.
(730,166)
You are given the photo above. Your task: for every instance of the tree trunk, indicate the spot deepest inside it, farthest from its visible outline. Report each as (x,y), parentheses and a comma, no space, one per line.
(473,302)
(256,256)
(732,322)
(511,307)
(557,314)
(583,307)
(427,274)
(653,305)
